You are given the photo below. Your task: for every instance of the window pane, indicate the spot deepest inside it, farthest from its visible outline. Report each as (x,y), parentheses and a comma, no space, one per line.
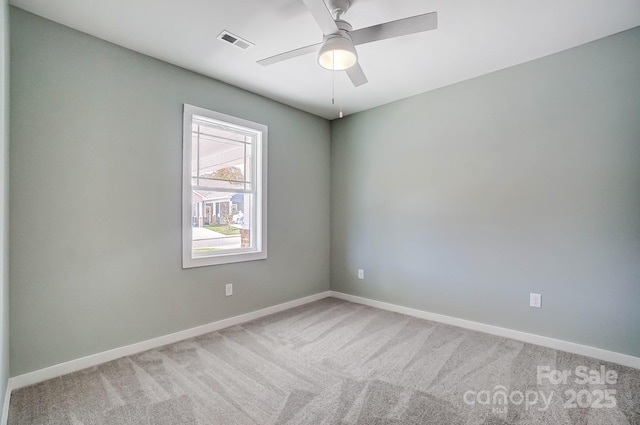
(219,159)
(194,155)
(249,163)
(221,221)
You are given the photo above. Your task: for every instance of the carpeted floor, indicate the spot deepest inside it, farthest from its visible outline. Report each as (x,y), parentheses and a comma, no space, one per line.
(334,362)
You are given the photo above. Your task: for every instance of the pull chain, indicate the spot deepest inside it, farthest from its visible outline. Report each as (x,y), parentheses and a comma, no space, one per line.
(340,98)
(333,87)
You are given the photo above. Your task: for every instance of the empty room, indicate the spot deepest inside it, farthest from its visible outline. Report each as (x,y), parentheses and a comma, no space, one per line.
(349,212)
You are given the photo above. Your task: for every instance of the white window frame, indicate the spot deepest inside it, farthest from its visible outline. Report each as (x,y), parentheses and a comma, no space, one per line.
(259,251)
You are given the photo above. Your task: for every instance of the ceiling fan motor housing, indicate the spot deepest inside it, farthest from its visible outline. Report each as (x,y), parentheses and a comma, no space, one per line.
(337,52)
(343,26)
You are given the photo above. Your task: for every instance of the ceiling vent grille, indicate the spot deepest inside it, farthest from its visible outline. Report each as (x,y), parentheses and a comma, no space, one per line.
(240,42)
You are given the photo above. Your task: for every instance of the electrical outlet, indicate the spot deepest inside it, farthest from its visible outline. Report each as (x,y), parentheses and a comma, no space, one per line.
(360,274)
(228,289)
(535,300)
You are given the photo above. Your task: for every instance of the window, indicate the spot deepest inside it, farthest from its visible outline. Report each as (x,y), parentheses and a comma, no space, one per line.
(224,189)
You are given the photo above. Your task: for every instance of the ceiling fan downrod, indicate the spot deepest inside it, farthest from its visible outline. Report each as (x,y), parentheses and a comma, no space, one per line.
(338,8)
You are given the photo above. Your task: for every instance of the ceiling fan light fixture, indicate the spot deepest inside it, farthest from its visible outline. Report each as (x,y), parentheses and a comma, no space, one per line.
(337,53)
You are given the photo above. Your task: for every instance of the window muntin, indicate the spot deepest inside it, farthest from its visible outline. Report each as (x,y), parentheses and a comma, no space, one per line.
(224,189)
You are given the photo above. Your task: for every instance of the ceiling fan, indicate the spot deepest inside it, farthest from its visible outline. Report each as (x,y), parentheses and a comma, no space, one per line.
(337,52)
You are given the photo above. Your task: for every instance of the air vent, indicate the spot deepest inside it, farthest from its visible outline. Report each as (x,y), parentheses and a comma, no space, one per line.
(240,42)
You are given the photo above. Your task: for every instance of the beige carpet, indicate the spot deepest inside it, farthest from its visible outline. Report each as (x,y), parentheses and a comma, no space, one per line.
(334,362)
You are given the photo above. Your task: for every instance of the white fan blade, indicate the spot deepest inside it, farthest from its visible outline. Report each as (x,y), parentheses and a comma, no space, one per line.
(290,54)
(322,15)
(406,26)
(356,75)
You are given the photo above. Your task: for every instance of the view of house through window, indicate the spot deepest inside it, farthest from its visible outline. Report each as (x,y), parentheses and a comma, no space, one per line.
(224,186)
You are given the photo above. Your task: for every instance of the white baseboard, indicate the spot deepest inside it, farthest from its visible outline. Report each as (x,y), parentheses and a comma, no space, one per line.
(557,344)
(5,406)
(107,356)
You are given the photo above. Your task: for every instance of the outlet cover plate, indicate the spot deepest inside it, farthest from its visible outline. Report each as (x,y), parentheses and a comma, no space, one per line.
(535,300)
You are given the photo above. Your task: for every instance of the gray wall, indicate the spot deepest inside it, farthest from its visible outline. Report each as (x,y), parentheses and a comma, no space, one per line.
(95,190)
(463,200)
(4,199)
(460,201)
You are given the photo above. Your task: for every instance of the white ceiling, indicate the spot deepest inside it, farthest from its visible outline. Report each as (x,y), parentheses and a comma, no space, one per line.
(473,38)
